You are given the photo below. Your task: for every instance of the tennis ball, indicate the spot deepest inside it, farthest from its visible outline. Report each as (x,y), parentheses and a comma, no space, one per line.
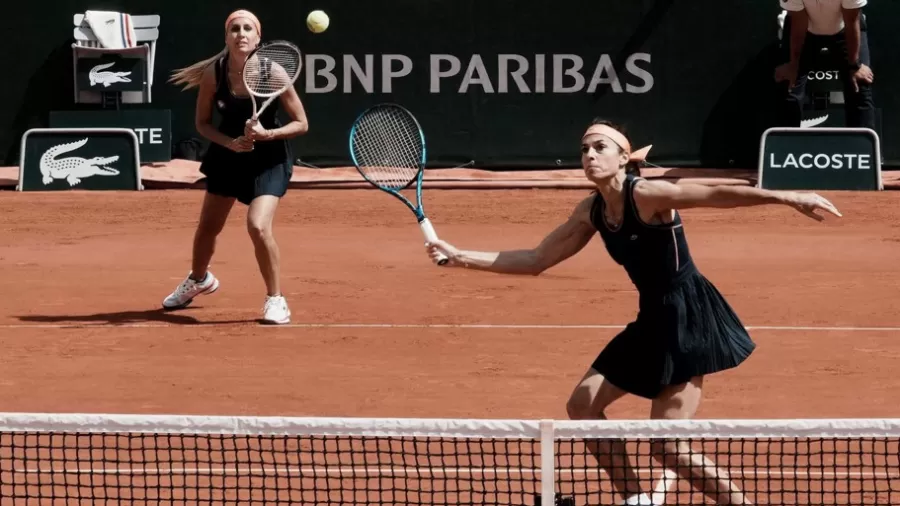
(317,21)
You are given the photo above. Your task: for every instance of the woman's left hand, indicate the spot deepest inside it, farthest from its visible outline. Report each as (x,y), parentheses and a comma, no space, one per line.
(254,130)
(809,203)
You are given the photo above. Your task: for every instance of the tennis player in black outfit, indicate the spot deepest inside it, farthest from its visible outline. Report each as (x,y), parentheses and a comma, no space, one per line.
(250,162)
(684,330)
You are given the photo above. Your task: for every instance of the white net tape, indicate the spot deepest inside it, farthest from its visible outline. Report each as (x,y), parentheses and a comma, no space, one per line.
(138,459)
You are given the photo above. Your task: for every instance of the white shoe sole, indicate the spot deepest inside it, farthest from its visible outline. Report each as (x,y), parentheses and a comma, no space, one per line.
(208,291)
(277,322)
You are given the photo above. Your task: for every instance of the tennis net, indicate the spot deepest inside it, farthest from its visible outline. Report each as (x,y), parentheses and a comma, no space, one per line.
(77,459)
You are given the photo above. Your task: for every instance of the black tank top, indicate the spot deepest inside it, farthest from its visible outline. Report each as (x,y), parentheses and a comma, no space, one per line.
(235,111)
(656,257)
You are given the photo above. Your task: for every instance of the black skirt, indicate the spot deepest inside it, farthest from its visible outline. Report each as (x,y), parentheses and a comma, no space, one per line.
(266,170)
(689,330)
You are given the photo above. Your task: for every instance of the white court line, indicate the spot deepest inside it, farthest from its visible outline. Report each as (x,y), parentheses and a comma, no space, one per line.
(424,471)
(488,326)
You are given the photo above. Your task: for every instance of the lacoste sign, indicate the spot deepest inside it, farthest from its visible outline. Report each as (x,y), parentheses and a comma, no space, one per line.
(153,127)
(820,159)
(79,158)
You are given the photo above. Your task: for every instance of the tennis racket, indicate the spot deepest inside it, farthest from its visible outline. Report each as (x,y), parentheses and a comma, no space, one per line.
(388,149)
(270,70)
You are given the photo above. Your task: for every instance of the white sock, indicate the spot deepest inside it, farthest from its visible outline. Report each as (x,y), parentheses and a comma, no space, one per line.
(638,500)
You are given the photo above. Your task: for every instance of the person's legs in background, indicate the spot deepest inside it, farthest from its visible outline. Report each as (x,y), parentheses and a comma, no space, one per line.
(859,106)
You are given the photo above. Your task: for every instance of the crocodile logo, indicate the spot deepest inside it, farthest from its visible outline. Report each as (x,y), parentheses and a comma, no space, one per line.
(74,168)
(99,75)
(812,122)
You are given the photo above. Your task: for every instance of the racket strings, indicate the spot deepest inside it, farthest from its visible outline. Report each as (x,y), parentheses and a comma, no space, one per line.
(388,148)
(272,69)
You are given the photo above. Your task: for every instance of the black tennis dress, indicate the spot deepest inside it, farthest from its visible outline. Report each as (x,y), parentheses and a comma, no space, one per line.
(684,327)
(266,170)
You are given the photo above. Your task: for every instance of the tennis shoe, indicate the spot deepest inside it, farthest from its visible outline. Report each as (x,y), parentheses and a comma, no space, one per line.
(188,289)
(276,310)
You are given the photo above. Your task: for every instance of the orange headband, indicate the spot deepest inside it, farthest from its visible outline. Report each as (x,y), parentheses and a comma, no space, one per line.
(617,137)
(241,13)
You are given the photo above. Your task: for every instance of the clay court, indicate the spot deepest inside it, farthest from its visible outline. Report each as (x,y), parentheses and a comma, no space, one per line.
(401,382)
(379,331)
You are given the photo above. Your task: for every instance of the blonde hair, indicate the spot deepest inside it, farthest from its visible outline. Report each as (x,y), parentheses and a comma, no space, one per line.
(191,75)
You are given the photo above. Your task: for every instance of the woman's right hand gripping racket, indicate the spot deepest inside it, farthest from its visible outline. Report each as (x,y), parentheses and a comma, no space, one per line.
(387,147)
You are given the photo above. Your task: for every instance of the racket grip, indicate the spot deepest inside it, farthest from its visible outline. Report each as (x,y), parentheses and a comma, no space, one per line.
(431,236)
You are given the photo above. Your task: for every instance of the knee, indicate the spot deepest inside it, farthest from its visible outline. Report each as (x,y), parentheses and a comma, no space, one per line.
(578,410)
(259,230)
(573,410)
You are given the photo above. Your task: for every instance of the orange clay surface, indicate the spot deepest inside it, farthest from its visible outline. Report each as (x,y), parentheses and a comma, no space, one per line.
(83,275)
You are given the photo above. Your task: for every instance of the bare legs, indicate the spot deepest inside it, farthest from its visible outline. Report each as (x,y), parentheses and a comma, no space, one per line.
(594,393)
(259,226)
(213,216)
(590,398)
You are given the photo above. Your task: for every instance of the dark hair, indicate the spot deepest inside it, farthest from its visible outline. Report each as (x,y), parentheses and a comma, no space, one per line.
(630,167)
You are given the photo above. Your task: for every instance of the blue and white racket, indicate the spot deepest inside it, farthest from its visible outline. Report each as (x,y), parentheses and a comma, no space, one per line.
(387,147)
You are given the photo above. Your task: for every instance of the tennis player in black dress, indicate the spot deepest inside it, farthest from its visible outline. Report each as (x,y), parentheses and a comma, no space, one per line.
(684,330)
(250,162)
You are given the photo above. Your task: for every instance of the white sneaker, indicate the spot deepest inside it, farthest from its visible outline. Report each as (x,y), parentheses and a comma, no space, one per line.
(188,289)
(276,310)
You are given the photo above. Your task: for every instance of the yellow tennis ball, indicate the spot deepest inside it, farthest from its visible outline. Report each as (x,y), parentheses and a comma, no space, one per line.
(317,21)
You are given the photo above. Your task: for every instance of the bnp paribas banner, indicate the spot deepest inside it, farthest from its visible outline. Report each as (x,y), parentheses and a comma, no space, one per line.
(514,83)
(489,74)
(500,83)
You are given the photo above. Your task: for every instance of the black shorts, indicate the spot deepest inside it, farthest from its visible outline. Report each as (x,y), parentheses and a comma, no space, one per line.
(271,181)
(245,176)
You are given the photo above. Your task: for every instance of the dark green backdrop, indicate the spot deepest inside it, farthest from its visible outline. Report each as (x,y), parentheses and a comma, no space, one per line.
(711,64)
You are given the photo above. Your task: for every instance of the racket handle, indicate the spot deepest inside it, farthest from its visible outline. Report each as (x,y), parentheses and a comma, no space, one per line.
(431,236)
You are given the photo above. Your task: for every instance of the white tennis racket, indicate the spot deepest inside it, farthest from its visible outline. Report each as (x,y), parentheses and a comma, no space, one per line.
(270,70)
